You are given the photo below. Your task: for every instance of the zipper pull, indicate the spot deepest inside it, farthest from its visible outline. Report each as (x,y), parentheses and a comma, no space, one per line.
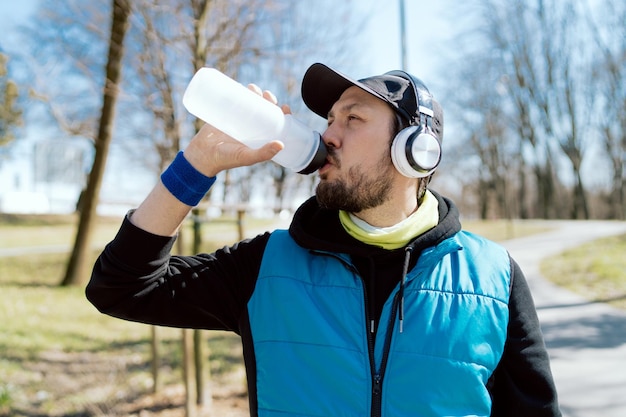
(376,389)
(372,326)
(405,269)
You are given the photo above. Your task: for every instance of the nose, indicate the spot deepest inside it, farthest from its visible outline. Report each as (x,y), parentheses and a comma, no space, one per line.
(331,136)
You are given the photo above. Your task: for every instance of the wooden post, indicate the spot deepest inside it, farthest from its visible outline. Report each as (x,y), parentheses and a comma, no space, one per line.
(156,381)
(240,216)
(188,373)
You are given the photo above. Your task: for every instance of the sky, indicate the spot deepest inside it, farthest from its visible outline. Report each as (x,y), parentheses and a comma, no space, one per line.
(427,29)
(12,13)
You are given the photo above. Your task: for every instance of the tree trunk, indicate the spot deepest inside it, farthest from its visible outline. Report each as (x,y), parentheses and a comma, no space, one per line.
(203,394)
(78,267)
(522,202)
(581,208)
(154,345)
(188,373)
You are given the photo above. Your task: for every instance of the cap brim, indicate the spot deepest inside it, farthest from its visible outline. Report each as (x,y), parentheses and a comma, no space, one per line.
(322,86)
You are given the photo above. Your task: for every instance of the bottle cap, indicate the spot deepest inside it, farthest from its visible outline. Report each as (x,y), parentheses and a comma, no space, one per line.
(319,159)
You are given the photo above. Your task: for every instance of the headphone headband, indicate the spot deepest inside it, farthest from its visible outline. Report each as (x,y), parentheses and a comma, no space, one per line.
(416,150)
(422,95)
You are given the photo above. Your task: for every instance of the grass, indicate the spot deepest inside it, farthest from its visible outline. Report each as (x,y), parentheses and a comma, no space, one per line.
(54,232)
(62,317)
(60,356)
(499,230)
(596,270)
(52,339)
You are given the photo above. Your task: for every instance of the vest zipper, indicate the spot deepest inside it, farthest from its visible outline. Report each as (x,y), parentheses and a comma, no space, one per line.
(379,374)
(376,376)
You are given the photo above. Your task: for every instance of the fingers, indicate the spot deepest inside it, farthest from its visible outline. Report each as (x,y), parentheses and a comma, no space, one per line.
(269,96)
(212,151)
(255,88)
(233,157)
(266,94)
(265,153)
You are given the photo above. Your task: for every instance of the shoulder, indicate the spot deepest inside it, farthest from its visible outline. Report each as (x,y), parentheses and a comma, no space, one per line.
(481,248)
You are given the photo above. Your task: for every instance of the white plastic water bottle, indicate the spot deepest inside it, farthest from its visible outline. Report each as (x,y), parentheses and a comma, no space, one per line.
(252,120)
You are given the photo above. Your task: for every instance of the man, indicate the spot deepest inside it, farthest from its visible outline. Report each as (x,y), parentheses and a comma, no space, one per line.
(373,303)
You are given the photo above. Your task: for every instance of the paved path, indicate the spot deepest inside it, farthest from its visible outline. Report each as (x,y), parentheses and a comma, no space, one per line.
(586,340)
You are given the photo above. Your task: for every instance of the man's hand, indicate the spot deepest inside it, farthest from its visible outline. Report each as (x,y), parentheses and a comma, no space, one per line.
(212,151)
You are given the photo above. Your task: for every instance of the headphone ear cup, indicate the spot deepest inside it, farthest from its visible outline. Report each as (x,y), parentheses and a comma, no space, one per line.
(415,152)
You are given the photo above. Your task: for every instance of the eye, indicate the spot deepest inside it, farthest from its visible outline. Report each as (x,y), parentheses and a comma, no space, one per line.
(353,117)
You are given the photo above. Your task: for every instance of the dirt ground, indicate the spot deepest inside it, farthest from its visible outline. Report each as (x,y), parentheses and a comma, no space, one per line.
(93,384)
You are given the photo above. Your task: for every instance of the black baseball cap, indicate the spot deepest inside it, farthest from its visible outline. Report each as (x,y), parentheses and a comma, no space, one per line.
(322,86)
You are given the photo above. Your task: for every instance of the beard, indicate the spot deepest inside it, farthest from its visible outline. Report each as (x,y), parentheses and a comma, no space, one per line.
(358,191)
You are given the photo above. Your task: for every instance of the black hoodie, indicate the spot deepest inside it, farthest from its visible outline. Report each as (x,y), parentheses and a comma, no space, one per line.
(136,279)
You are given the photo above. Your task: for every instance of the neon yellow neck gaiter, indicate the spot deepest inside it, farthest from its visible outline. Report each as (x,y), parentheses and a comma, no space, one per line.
(393,237)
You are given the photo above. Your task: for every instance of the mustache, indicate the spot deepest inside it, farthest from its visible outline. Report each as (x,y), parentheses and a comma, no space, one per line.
(333,158)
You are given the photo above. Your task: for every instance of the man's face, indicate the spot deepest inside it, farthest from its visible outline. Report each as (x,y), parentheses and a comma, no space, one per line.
(359,174)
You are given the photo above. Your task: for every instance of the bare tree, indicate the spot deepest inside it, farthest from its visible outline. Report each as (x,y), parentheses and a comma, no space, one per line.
(10,113)
(262,42)
(488,139)
(66,53)
(570,90)
(538,53)
(78,267)
(610,73)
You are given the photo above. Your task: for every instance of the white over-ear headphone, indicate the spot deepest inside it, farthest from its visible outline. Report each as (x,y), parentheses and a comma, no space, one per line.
(416,150)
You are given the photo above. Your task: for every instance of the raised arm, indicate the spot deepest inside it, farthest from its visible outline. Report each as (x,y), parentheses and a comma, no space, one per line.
(209,152)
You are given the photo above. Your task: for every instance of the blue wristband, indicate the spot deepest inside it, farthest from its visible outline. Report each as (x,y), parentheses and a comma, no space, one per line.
(185,182)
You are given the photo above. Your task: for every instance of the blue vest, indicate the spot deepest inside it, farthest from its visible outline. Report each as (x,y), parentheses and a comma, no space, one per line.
(310,336)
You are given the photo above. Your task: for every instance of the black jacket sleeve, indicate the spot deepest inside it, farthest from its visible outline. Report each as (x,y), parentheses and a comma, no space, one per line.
(136,279)
(522,384)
